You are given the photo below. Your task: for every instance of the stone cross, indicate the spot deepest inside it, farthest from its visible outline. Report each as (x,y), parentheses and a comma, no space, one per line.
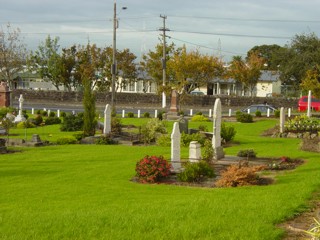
(20,117)
(175,148)
(107,120)
(216,138)
(282,119)
(309,104)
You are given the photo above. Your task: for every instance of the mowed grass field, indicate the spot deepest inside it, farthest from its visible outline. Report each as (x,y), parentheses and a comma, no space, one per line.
(86,192)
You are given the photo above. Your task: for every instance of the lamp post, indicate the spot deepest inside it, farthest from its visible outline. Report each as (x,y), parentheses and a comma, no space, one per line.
(114,52)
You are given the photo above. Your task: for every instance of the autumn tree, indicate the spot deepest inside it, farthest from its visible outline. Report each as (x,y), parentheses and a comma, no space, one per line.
(247,72)
(12,54)
(269,55)
(69,77)
(312,81)
(152,64)
(193,69)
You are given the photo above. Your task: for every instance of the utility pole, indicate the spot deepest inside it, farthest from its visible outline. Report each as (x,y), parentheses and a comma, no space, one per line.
(164,65)
(114,63)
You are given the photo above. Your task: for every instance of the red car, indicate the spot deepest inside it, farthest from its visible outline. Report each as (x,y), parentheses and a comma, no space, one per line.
(303,104)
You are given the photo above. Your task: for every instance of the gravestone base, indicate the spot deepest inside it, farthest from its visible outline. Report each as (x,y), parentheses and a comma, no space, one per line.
(176,167)
(19,118)
(218,153)
(173,116)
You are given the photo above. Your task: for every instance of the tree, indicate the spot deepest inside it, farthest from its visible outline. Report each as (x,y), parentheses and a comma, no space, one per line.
(47,62)
(269,55)
(246,72)
(296,58)
(152,64)
(192,69)
(312,81)
(88,64)
(69,77)
(12,55)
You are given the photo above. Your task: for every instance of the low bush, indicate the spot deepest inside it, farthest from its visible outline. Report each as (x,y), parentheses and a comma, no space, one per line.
(105,140)
(130,115)
(38,120)
(196,172)
(52,114)
(258,113)
(160,115)
(187,138)
(248,153)
(244,117)
(207,151)
(164,140)
(52,120)
(146,115)
(227,132)
(72,123)
(277,113)
(63,114)
(301,124)
(203,128)
(150,130)
(199,118)
(198,113)
(239,175)
(44,113)
(66,140)
(116,126)
(152,169)
(78,136)
(26,124)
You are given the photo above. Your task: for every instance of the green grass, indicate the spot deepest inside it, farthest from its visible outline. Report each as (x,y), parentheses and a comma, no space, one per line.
(85,192)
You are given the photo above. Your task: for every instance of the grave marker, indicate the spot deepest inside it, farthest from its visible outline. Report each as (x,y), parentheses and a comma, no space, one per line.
(216,139)
(107,120)
(175,148)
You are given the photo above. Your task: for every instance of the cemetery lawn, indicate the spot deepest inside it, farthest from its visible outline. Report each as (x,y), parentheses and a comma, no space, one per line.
(85,192)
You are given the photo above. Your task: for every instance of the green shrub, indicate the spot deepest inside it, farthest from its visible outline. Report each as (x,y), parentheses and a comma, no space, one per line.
(105,140)
(258,113)
(146,115)
(130,115)
(116,126)
(302,123)
(26,124)
(277,113)
(72,123)
(52,120)
(3,112)
(203,128)
(152,127)
(196,172)
(181,113)
(198,113)
(187,138)
(44,113)
(152,169)
(38,120)
(199,118)
(63,114)
(78,136)
(66,140)
(249,153)
(52,114)
(244,118)
(160,115)
(164,140)
(207,151)
(38,111)
(227,132)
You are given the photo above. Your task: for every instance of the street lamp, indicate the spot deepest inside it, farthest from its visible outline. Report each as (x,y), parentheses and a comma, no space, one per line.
(114,46)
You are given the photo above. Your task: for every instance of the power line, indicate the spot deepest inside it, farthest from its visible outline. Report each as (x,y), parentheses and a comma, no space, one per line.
(248,19)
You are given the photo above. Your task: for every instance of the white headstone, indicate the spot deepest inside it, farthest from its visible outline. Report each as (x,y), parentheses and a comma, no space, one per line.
(216,138)
(107,120)
(289,112)
(32,111)
(139,114)
(282,119)
(230,112)
(309,104)
(123,113)
(194,151)
(58,113)
(191,112)
(268,112)
(155,113)
(175,148)
(210,113)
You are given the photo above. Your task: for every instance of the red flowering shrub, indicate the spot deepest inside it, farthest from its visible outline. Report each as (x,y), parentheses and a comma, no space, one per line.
(152,169)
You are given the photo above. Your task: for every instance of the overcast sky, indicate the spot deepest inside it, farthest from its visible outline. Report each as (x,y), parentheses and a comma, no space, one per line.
(226,28)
